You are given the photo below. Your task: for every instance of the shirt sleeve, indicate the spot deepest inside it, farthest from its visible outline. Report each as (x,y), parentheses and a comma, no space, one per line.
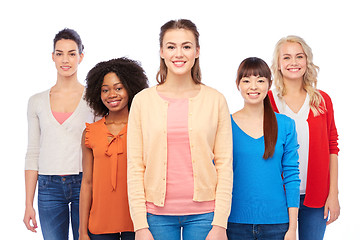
(87,135)
(136,167)
(332,131)
(290,164)
(33,148)
(223,160)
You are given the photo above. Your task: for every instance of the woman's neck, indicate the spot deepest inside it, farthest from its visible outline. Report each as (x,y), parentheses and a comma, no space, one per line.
(179,82)
(254,111)
(118,116)
(67,83)
(179,87)
(294,87)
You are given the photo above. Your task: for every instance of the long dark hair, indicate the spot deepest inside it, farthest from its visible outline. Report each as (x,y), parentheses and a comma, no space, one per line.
(254,66)
(179,24)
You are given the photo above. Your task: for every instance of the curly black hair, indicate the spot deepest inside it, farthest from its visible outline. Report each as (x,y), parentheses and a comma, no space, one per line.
(130,73)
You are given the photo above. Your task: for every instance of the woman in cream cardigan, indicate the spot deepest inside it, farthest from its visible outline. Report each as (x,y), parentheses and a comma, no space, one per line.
(179,147)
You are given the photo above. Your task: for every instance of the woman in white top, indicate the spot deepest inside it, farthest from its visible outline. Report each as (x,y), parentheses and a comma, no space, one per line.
(56,120)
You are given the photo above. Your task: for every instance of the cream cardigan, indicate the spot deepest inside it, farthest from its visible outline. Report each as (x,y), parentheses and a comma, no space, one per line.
(54,148)
(211,152)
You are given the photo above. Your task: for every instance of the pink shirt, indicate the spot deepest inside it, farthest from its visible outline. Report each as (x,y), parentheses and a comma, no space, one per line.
(61,117)
(180,180)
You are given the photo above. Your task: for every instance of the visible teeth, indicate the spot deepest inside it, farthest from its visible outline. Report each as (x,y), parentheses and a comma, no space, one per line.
(113,103)
(253,94)
(294,69)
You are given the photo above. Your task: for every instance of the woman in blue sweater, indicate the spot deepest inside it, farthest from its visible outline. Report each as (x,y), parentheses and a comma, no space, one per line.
(266,174)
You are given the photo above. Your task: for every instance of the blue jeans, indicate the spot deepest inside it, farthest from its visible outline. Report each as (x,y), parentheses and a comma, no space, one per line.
(239,231)
(168,227)
(113,236)
(311,222)
(58,200)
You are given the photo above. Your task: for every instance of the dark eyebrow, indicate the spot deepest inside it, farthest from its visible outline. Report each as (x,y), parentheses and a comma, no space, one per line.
(184,43)
(104,85)
(57,50)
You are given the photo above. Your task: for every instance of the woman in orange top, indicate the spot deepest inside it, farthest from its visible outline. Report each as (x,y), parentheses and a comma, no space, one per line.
(104,209)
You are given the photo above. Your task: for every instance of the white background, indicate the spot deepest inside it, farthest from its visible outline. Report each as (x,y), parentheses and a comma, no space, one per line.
(229,32)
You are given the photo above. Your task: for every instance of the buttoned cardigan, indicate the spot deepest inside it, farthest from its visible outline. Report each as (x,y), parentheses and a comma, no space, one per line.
(210,139)
(323,141)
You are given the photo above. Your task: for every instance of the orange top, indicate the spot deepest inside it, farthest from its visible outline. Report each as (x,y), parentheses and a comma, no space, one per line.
(109,211)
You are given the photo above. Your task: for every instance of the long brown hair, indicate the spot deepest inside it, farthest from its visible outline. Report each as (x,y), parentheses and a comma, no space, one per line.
(254,66)
(179,24)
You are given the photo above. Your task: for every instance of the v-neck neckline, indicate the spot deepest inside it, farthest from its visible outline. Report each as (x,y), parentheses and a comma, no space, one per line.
(71,116)
(301,110)
(253,138)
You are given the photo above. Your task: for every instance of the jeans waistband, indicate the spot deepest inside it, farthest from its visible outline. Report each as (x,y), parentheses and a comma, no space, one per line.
(63,179)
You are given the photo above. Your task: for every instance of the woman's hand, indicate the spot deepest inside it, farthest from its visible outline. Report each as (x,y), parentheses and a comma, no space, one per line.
(332,205)
(143,234)
(290,235)
(84,236)
(217,233)
(30,216)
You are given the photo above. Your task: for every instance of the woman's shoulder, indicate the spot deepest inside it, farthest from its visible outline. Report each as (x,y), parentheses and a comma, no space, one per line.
(284,120)
(212,93)
(96,124)
(40,96)
(324,95)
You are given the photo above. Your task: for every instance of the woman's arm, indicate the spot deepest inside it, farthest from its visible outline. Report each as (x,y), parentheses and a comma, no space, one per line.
(293,217)
(223,160)
(31,177)
(31,164)
(136,167)
(332,202)
(86,189)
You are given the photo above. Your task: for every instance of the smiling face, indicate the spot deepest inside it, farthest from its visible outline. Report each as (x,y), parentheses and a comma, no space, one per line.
(66,57)
(113,93)
(292,61)
(254,89)
(179,52)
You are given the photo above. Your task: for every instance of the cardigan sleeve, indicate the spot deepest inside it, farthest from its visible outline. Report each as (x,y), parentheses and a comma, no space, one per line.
(223,160)
(136,167)
(290,164)
(332,131)
(33,148)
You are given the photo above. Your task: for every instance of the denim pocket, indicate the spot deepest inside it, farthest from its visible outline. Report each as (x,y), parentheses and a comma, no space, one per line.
(42,182)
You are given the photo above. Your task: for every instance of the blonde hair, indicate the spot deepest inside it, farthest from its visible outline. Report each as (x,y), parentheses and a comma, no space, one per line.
(309,78)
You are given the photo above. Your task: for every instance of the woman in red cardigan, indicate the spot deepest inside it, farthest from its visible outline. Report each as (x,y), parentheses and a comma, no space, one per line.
(296,96)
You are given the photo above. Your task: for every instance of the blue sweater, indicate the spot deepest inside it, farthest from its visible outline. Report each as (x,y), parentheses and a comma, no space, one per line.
(259,196)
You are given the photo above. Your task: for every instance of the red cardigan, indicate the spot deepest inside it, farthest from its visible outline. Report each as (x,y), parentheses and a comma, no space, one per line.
(323,138)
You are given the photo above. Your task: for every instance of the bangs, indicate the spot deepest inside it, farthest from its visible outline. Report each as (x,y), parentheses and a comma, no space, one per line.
(254,67)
